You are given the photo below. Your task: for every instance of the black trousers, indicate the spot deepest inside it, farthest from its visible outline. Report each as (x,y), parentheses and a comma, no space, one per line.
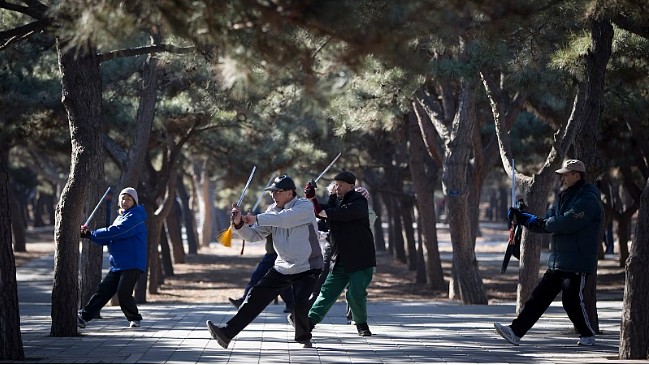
(120,282)
(553,282)
(266,290)
(266,263)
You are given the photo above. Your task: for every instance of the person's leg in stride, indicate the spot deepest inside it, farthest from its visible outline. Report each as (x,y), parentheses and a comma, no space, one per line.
(105,291)
(542,296)
(572,299)
(356,296)
(333,286)
(259,297)
(287,297)
(266,263)
(302,288)
(127,281)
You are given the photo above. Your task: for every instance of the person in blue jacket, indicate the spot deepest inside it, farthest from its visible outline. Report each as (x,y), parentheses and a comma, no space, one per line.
(574,221)
(126,239)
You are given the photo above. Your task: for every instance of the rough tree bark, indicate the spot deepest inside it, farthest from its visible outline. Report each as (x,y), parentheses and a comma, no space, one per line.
(424,181)
(457,154)
(188,218)
(11,342)
(174,232)
(589,133)
(81,90)
(634,330)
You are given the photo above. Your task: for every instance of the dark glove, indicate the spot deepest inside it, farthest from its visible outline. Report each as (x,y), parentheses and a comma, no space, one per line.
(316,206)
(309,190)
(85,234)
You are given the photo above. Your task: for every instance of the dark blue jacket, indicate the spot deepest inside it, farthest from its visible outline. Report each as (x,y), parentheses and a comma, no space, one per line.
(126,239)
(574,221)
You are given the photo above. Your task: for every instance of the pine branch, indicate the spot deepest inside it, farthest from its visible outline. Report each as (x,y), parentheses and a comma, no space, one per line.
(14,35)
(632,26)
(34,9)
(138,51)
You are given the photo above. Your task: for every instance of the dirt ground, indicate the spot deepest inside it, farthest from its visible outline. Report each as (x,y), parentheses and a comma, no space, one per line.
(218,272)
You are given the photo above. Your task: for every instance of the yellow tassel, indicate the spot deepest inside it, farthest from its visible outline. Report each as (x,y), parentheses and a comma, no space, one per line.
(226,237)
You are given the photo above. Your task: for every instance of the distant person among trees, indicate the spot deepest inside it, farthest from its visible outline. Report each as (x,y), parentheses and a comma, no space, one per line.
(574,221)
(353,257)
(291,222)
(126,239)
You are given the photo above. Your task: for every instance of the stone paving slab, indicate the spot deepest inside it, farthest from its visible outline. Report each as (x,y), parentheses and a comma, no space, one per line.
(404,332)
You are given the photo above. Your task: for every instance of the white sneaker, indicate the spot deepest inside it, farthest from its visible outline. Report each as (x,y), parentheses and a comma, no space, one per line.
(134,324)
(507,333)
(586,341)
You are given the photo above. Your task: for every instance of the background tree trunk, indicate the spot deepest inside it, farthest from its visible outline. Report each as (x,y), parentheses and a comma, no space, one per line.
(634,330)
(205,194)
(456,190)
(81,90)
(424,181)
(188,218)
(589,133)
(11,343)
(174,232)
(409,232)
(165,255)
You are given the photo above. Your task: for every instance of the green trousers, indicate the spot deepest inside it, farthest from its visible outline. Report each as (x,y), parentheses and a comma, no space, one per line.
(337,280)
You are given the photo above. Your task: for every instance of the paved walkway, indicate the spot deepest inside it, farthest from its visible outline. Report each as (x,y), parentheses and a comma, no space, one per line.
(414,332)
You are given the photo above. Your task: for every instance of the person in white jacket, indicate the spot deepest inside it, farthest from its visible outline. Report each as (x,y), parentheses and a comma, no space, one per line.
(299,261)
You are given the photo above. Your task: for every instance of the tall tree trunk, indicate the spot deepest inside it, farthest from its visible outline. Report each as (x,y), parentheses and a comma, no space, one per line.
(81,90)
(420,277)
(92,255)
(379,235)
(165,255)
(411,246)
(188,218)
(397,243)
(174,233)
(634,330)
(206,202)
(456,190)
(424,180)
(588,137)
(17,225)
(623,227)
(11,342)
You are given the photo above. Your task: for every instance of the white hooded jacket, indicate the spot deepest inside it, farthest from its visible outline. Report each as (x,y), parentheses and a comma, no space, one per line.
(295,236)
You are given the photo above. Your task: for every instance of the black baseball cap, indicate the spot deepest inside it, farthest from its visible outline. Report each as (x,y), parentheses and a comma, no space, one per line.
(283,182)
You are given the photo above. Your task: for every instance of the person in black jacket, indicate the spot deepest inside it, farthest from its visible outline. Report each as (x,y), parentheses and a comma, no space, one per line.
(353,257)
(574,221)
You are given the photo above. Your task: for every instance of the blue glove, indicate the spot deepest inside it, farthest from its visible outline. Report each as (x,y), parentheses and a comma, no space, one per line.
(529,220)
(526,219)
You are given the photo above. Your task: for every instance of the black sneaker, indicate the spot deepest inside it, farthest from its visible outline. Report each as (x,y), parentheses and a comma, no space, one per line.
(81,323)
(306,344)
(218,334)
(363,329)
(236,302)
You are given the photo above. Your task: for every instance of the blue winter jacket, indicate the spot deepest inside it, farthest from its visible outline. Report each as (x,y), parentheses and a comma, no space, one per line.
(575,219)
(126,239)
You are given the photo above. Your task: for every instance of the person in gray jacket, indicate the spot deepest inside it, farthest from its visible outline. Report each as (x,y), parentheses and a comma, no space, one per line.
(574,221)
(299,261)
